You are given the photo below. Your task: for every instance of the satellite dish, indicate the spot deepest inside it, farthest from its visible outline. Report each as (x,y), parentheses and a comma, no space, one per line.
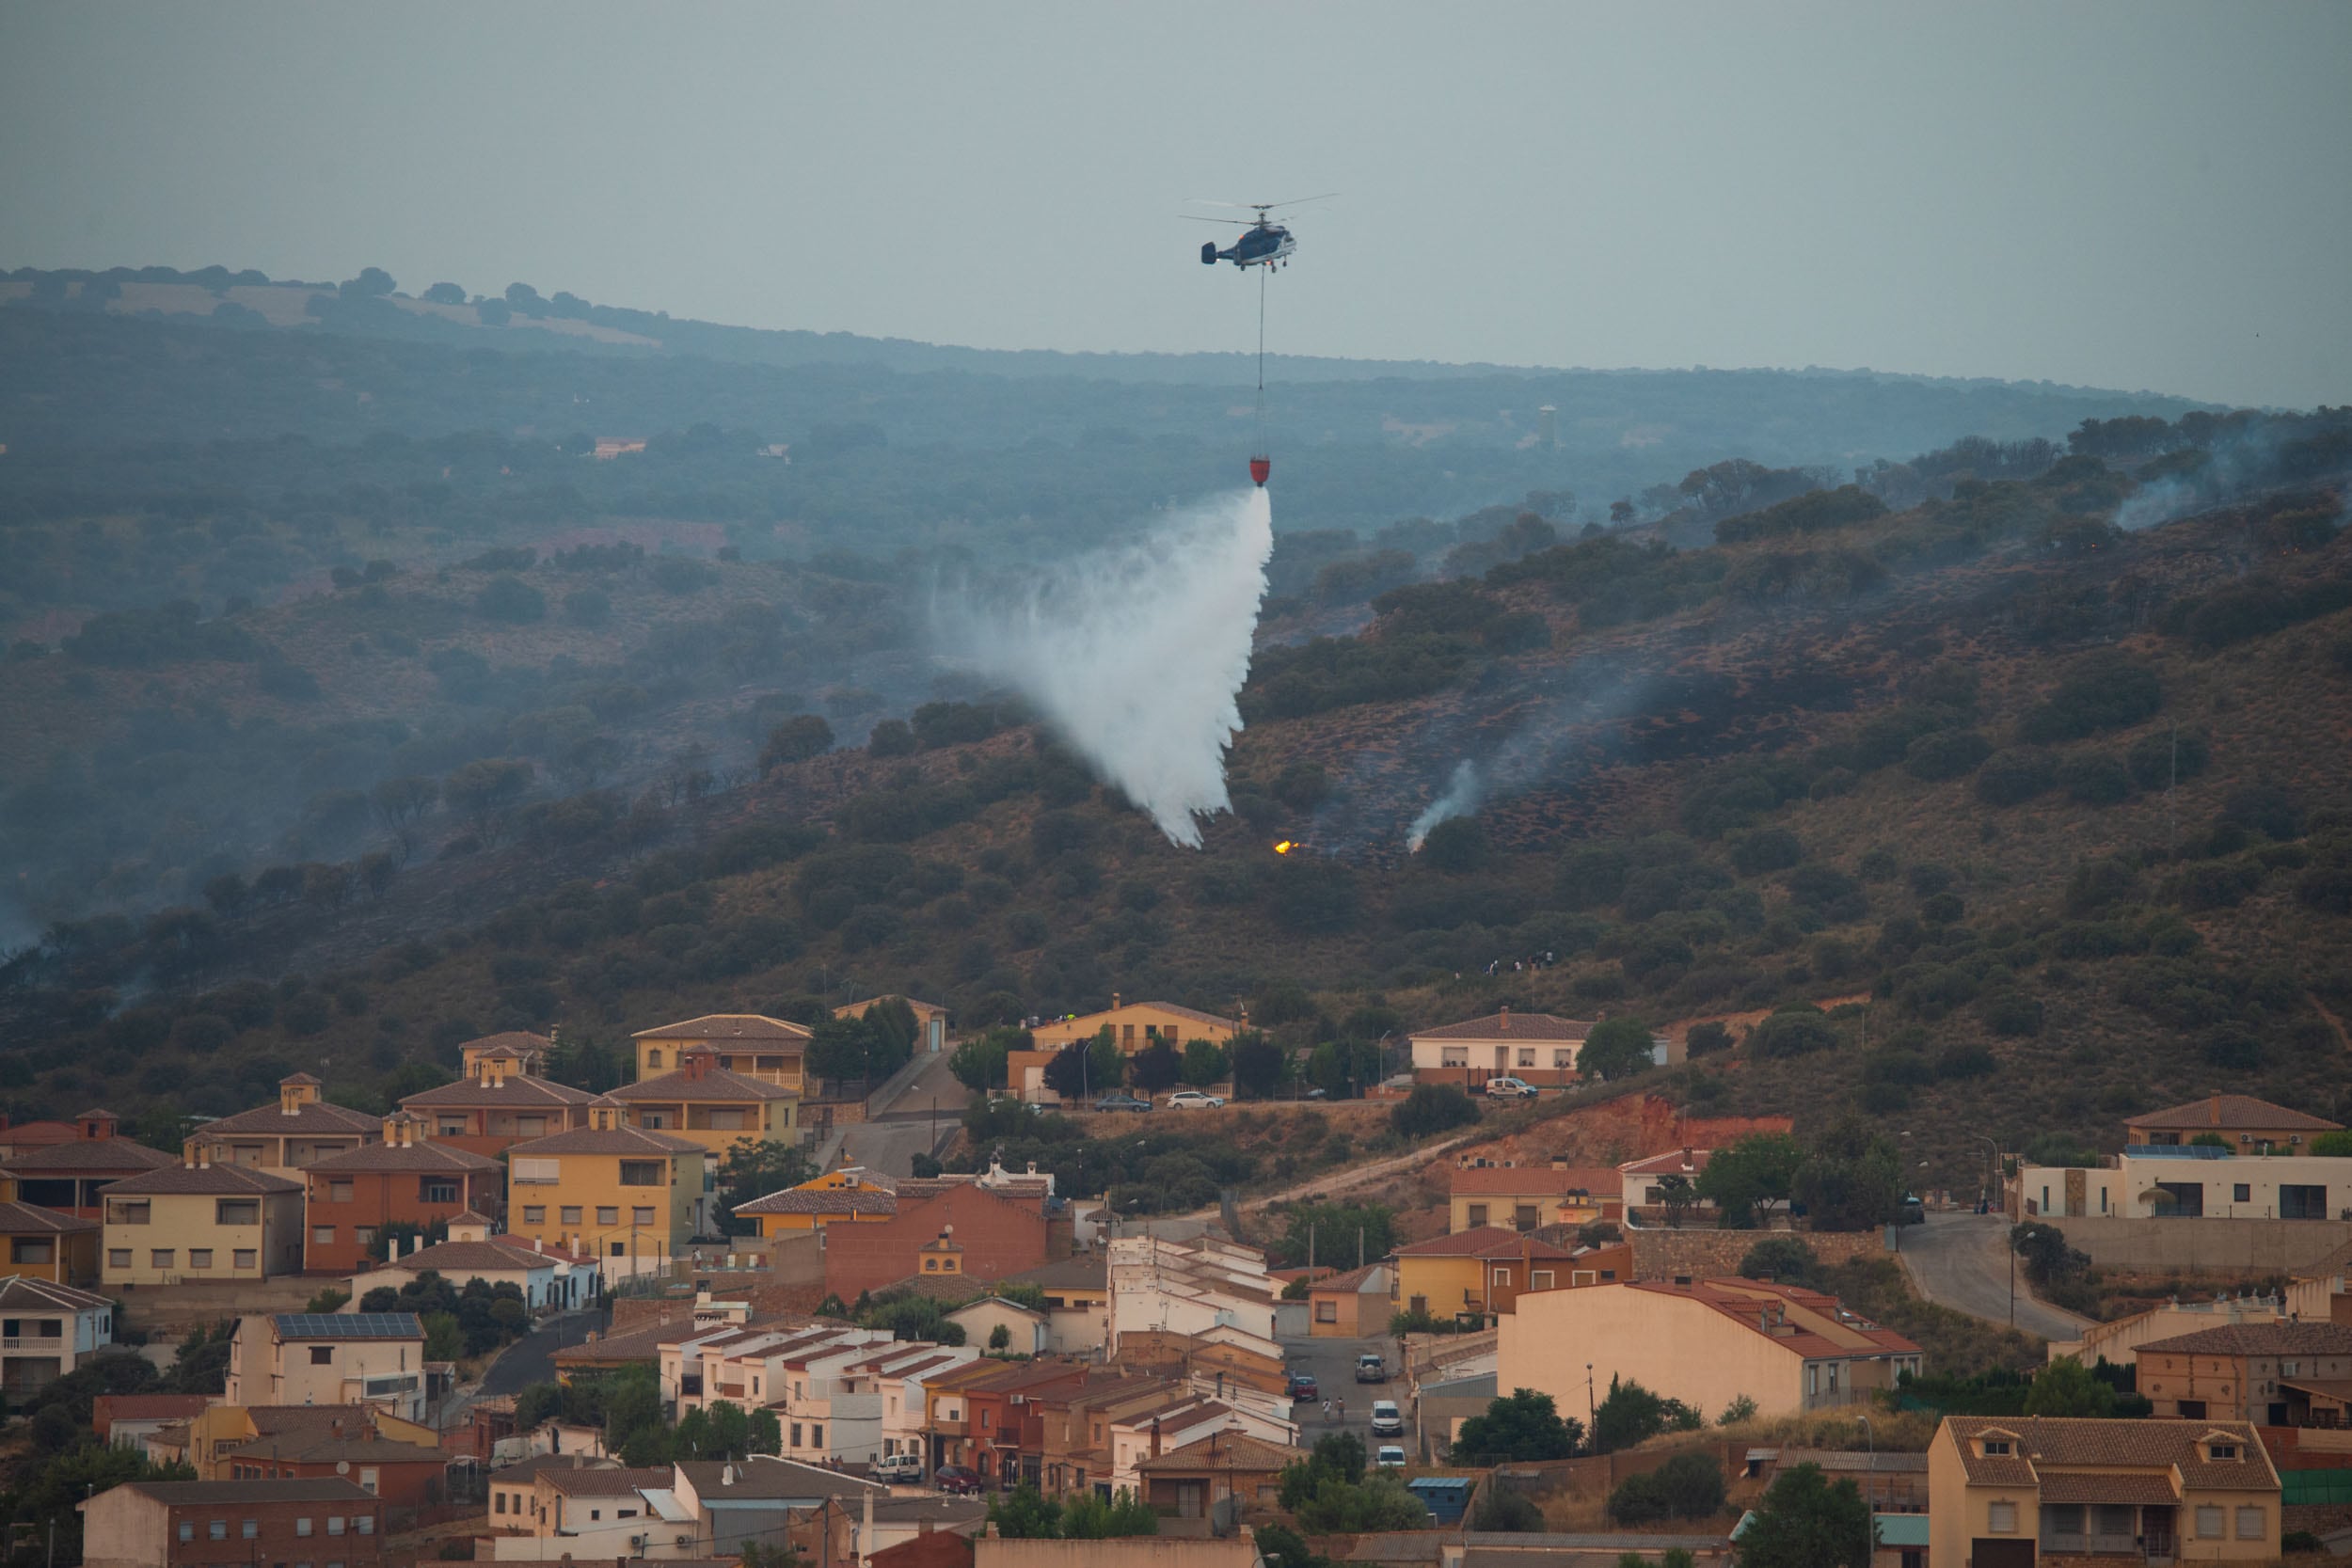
(342,1466)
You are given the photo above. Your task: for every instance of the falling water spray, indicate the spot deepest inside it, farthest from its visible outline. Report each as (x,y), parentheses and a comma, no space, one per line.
(1136,655)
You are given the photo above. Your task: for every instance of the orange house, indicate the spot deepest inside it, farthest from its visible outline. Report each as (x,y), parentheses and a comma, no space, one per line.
(497,1105)
(44,1243)
(403,1179)
(67,1175)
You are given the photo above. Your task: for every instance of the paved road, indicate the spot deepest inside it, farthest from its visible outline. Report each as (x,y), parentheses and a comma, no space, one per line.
(890,1142)
(1333,1363)
(1963,1262)
(530,1358)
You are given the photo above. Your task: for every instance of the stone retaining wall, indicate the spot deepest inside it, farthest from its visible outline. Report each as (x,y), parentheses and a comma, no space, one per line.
(1664,1254)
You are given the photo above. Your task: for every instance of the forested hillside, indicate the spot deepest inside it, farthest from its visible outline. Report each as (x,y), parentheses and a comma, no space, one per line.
(1987,786)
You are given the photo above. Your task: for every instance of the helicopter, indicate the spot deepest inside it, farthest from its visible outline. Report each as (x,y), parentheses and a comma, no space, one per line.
(1263,243)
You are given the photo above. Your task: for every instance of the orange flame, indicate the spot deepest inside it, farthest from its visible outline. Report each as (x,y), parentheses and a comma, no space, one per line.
(1283,848)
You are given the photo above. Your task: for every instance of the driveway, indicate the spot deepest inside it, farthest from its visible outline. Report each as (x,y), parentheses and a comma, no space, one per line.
(1963,1261)
(532,1358)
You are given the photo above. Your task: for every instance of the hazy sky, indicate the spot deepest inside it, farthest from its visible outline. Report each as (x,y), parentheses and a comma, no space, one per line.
(2126,195)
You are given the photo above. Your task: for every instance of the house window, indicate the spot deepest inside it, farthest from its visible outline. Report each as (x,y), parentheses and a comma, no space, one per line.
(641,1173)
(321,1356)
(438,1190)
(338,1192)
(608,1213)
(160,1258)
(119,1257)
(335,1525)
(640,1216)
(1453,1055)
(2225,1450)
(322,1235)
(367,1524)
(1502,1277)
(2302,1203)
(1525,1217)
(497,1502)
(1527,1055)
(369,1476)
(452,1129)
(1542,1280)
(302,1526)
(534,1214)
(2249,1524)
(252,1528)
(1563,1060)
(2241,1191)
(817,1435)
(1327,1311)
(237,1210)
(124,1211)
(1477,1215)
(2209,1521)
(199,1258)
(243,1257)
(363,1234)
(570,1212)
(616,1250)
(187,1530)
(2001,1518)
(796,1434)
(28,1249)
(653,1059)
(217,1529)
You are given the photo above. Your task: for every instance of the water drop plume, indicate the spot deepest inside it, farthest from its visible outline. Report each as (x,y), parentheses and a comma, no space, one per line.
(1136,654)
(1461,797)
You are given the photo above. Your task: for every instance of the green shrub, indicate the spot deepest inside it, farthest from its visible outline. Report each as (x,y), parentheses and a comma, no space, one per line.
(2103,692)
(1947,755)
(2015,776)
(2152,757)
(2095,779)
(1432,1108)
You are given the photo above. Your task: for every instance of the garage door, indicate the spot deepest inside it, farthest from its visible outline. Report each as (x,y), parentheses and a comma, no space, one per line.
(1987,1553)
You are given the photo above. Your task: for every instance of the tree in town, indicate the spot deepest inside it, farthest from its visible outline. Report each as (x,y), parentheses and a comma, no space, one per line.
(1805,1522)
(796,740)
(1521,1427)
(1675,1195)
(1631,1415)
(1335,1233)
(1780,1258)
(1433,1108)
(1853,1178)
(2067,1388)
(979,1063)
(1024,1514)
(1753,1174)
(1337,1457)
(753,1168)
(1259,1065)
(1205,1063)
(1615,1049)
(1156,1066)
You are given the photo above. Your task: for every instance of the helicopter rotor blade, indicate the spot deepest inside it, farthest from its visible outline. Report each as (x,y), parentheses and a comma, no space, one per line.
(1295,201)
(1194,218)
(1204,201)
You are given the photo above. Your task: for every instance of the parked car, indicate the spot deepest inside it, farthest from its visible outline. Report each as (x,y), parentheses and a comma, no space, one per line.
(1370,1369)
(959,1480)
(1387,1421)
(1392,1457)
(1193,1100)
(1302,1387)
(898,1467)
(1915,1211)
(1510,1088)
(1121,1102)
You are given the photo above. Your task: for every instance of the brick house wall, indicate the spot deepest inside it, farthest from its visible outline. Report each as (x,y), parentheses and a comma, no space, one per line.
(999,1235)
(1663,1253)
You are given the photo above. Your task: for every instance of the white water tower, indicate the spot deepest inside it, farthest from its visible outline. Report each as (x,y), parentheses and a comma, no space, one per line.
(1548,427)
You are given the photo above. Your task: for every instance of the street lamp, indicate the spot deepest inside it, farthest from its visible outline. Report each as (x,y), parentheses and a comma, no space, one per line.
(1871,1483)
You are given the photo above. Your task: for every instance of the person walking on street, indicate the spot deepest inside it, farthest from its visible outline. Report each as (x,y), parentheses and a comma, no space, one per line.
(1342,1410)
(1326,1411)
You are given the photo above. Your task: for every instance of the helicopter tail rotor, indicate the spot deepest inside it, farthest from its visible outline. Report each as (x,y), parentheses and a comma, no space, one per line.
(1208,253)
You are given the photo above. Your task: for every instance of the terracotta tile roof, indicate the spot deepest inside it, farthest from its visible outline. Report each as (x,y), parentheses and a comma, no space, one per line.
(227,1180)
(1461,1243)
(303,1078)
(106,1408)
(521,1090)
(518,1042)
(419,1157)
(2230,1112)
(765,1477)
(1536,1180)
(308,1120)
(800,1200)
(2292,1338)
(306,1448)
(1223,1450)
(2052,1442)
(934,1548)
(456,1260)
(99,1155)
(587,1483)
(1348,1283)
(1509,1026)
(729,1026)
(18,1292)
(1832,1331)
(1078,1271)
(524,1469)
(2096,1486)
(715,1084)
(606,1140)
(197,1494)
(18,1219)
(1668,1163)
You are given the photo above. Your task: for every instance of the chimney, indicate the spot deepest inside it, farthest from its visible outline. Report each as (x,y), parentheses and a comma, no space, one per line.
(1114,1002)
(2217,1110)
(866,1539)
(1504,1027)
(1686,1158)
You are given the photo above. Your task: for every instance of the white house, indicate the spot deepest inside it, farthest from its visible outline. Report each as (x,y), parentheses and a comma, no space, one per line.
(545,1279)
(2189,1181)
(1027,1331)
(50,1330)
(329,1358)
(1188,1288)
(851,1409)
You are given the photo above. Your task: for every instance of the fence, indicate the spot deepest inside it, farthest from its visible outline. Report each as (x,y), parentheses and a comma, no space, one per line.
(2316,1487)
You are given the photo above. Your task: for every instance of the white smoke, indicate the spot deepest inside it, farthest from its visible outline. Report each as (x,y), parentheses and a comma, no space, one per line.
(1136,655)
(1461,797)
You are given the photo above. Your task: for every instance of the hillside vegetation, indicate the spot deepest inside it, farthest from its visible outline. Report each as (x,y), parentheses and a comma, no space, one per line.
(1996,791)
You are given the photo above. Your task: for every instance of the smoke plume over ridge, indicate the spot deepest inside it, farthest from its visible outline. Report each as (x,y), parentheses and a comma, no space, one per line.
(1136,655)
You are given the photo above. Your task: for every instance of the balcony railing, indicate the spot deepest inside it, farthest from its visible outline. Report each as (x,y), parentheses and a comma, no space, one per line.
(32,1341)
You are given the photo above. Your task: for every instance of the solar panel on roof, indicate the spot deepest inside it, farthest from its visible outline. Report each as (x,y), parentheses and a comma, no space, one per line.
(2180,1151)
(349,1326)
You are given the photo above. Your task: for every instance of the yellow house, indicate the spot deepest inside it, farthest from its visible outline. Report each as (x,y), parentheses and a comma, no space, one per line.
(185,1223)
(930,1019)
(285,1137)
(1706,1342)
(2020,1489)
(851,1196)
(706,1102)
(1445,1275)
(773,1050)
(625,1195)
(1524,1197)
(43,1244)
(1136,1024)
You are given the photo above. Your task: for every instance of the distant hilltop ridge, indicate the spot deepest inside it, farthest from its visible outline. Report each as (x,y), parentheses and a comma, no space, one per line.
(374,304)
